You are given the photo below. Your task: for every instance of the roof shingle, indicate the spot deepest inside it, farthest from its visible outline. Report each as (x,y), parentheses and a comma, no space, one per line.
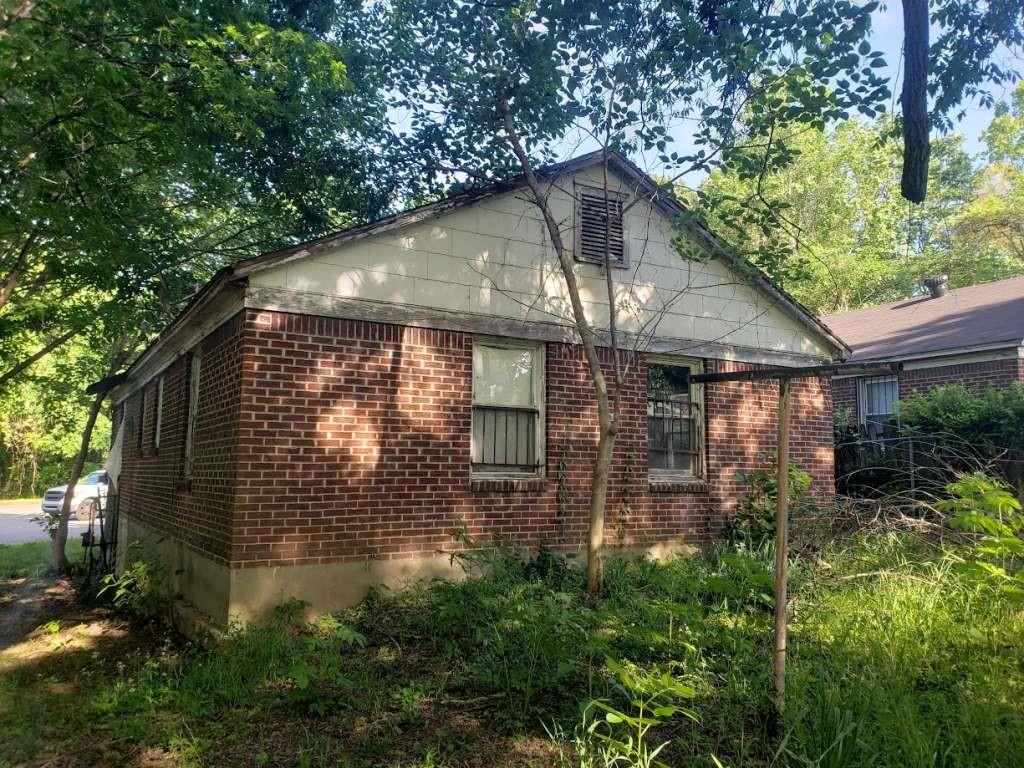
(978,315)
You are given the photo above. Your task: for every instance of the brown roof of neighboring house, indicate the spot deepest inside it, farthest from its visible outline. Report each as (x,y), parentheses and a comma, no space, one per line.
(979,315)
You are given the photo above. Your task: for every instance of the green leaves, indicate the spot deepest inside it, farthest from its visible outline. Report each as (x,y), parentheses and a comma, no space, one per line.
(620,74)
(823,215)
(984,505)
(621,737)
(145,144)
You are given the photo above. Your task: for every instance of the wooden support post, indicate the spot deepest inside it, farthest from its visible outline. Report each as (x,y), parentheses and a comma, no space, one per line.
(781,547)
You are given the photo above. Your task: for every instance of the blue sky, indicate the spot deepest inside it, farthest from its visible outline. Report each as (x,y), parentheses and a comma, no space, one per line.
(887,37)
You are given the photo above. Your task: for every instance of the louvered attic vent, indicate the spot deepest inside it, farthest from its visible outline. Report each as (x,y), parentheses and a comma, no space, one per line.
(598,227)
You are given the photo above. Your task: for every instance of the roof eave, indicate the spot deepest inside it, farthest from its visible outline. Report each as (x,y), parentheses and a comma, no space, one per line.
(943,352)
(199,299)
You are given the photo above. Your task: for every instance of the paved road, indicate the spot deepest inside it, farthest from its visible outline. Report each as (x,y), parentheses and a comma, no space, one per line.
(16,524)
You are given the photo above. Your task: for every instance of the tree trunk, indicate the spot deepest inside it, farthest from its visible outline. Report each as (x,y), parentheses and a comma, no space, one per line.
(914,101)
(598,503)
(606,414)
(60,535)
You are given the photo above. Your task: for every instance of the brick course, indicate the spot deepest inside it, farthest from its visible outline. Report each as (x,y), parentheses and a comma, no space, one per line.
(322,440)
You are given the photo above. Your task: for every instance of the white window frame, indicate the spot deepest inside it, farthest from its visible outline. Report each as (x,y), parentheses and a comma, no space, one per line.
(195,368)
(159,416)
(540,395)
(698,472)
(578,191)
(862,396)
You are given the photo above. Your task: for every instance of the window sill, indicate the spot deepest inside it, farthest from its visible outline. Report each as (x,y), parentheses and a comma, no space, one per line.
(678,485)
(506,484)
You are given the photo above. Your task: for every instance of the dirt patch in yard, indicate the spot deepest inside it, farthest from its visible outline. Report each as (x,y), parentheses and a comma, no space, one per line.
(53,648)
(25,604)
(82,686)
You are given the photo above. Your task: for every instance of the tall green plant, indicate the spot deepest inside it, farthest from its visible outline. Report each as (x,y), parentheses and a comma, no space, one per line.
(755,519)
(619,734)
(985,506)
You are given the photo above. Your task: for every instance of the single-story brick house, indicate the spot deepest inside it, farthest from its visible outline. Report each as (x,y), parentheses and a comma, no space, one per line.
(325,417)
(973,336)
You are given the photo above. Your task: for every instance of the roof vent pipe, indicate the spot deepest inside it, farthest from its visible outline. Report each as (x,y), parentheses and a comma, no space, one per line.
(937,286)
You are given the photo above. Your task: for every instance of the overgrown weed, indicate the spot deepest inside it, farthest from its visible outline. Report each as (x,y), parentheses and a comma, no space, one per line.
(896,659)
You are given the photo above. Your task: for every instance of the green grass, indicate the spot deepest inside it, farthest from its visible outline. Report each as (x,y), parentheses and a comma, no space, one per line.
(19,561)
(32,558)
(895,660)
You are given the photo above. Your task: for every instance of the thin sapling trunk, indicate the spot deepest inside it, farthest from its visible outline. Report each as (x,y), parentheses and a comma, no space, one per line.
(607,423)
(60,534)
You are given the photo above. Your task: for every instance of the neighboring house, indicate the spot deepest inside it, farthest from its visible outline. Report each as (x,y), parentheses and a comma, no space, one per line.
(326,417)
(972,336)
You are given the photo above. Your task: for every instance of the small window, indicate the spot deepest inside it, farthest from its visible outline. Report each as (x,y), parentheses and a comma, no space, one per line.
(194,371)
(599,231)
(508,414)
(158,415)
(674,425)
(877,397)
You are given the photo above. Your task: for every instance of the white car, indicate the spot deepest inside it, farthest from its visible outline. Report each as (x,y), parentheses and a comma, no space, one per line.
(90,489)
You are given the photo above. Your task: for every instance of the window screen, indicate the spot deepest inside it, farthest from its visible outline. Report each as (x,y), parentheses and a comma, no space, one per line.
(878,397)
(194,372)
(672,423)
(507,428)
(158,416)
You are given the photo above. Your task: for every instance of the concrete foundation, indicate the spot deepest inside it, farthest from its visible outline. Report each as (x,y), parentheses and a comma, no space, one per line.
(209,597)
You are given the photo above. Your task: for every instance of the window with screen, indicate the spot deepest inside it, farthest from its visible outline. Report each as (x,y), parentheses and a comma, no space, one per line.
(674,425)
(599,229)
(877,397)
(508,413)
(140,434)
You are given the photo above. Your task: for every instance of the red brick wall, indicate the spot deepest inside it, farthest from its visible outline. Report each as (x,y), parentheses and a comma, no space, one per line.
(354,443)
(743,429)
(325,440)
(153,489)
(844,395)
(976,378)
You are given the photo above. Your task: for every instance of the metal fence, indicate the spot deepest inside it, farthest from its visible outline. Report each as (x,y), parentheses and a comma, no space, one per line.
(917,466)
(99,540)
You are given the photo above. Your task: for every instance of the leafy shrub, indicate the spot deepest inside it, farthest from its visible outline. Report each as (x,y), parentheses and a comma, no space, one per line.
(141,588)
(983,505)
(963,431)
(755,520)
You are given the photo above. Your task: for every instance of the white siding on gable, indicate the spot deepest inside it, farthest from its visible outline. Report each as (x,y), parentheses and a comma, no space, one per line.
(493,258)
